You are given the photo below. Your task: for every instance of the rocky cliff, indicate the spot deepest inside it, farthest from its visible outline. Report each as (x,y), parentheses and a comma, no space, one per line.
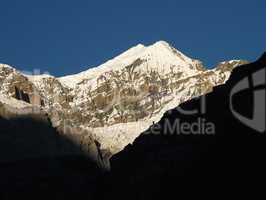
(113,103)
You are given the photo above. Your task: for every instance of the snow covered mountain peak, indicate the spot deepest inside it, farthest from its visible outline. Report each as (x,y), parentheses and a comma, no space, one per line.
(140,48)
(159,56)
(6,68)
(116,101)
(162,42)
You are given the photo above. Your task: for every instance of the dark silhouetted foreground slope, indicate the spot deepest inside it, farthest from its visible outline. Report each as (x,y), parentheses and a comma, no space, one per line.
(37,161)
(165,165)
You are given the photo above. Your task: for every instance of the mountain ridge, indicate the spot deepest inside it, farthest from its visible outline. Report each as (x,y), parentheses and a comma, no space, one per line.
(157,165)
(121,98)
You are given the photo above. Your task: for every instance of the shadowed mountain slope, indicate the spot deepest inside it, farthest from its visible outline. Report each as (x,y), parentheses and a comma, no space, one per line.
(170,163)
(35,158)
(162,165)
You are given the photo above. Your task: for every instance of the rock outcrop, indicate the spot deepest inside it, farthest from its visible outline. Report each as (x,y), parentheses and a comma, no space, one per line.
(166,162)
(160,165)
(113,103)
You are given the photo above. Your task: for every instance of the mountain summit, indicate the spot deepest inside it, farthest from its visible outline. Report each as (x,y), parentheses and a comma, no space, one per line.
(110,105)
(160,56)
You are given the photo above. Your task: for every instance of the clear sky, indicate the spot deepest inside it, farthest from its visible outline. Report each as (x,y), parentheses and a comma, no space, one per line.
(65,37)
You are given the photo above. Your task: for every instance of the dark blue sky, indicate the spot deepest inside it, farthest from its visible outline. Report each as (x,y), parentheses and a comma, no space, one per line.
(65,37)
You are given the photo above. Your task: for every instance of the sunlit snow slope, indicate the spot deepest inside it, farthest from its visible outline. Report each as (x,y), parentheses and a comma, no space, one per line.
(116,101)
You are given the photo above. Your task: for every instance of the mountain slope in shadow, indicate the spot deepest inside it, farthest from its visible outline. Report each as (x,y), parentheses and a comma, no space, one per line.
(161,165)
(168,163)
(35,159)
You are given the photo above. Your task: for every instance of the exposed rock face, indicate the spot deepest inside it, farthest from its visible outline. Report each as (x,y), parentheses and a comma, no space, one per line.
(18,86)
(20,95)
(171,163)
(113,103)
(29,135)
(156,166)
